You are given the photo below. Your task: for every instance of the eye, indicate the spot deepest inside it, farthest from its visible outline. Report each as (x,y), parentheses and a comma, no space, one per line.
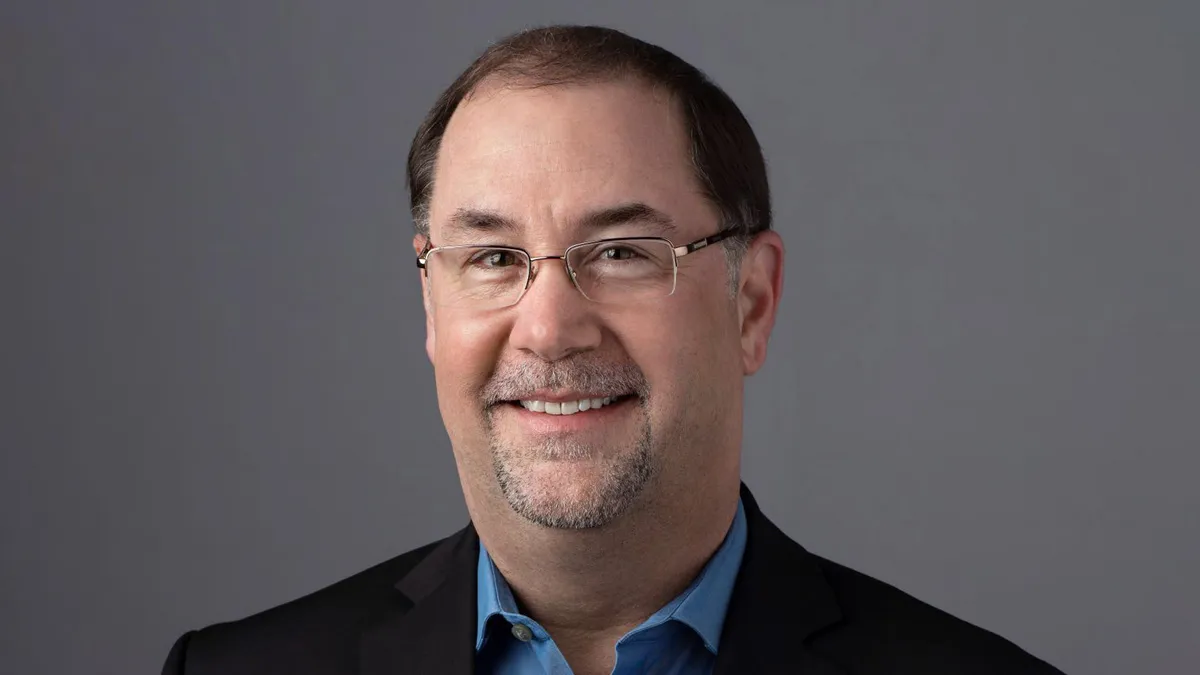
(619,253)
(495,258)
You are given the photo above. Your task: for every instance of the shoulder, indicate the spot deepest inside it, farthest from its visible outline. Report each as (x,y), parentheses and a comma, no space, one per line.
(793,604)
(884,629)
(315,633)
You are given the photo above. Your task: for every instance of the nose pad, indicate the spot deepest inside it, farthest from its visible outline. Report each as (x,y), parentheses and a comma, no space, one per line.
(536,267)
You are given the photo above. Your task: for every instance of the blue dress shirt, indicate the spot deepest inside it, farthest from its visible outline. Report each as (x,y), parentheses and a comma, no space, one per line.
(680,639)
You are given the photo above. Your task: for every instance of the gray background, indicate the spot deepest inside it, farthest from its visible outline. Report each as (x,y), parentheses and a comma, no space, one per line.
(983,387)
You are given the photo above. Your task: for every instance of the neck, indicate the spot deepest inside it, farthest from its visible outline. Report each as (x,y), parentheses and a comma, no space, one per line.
(587,585)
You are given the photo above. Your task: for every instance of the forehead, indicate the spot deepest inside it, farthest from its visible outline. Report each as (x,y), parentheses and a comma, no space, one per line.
(544,155)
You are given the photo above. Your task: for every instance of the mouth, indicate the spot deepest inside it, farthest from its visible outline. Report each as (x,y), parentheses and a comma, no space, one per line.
(573,406)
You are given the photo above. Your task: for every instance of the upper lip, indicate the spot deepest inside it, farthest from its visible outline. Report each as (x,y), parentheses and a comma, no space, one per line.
(561,396)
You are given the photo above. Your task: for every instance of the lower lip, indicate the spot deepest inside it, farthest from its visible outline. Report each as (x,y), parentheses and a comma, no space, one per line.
(545,423)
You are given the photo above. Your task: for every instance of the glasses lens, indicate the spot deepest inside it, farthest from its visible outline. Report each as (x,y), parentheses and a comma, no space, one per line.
(624,270)
(476,277)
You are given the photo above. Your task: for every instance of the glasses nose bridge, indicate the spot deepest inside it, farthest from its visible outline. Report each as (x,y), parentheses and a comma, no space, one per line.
(533,270)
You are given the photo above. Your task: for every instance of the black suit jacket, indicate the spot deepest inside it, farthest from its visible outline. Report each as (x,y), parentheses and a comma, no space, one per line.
(791,612)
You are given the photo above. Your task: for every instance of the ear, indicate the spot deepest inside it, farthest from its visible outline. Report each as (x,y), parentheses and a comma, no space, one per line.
(418,246)
(760,286)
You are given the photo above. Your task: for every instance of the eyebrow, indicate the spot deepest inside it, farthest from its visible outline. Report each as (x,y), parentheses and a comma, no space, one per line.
(465,220)
(635,213)
(480,220)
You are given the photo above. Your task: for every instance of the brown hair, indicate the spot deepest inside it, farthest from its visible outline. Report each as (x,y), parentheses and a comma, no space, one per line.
(724,151)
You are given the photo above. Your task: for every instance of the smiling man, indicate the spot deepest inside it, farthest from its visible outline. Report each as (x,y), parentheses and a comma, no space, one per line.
(600,276)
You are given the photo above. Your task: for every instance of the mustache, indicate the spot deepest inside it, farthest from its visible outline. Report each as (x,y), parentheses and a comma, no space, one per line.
(515,380)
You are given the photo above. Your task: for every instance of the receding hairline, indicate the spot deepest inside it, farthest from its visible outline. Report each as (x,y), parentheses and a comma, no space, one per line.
(515,77)
(496,84)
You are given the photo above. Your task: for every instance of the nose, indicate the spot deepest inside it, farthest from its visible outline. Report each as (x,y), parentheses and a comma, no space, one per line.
(553,319)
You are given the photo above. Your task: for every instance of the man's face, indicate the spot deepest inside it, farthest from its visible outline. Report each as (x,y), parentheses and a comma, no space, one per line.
(542,160)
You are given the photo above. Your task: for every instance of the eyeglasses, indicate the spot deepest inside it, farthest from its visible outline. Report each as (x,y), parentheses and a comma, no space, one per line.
(629,270)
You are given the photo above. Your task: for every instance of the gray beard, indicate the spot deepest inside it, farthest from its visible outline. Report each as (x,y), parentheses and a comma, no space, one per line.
(623,476)
(624,479)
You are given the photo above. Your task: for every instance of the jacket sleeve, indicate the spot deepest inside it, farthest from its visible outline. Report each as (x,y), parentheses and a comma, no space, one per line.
(175,659)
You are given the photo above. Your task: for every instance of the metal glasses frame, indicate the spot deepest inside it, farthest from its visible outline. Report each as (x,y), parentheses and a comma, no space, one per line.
(676,253)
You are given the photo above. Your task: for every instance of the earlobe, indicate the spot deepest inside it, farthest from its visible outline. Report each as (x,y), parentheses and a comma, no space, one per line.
(758,297)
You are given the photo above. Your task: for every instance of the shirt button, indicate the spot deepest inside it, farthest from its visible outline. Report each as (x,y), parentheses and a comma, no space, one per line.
(522,632)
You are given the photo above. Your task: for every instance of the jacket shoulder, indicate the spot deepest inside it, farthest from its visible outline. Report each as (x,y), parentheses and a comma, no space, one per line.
(886,630)
(318,632)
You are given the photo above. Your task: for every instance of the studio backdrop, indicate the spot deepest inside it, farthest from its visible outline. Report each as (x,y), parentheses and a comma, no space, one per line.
(213,390)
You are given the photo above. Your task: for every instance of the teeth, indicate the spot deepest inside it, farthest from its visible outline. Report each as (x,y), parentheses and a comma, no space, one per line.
(566,407)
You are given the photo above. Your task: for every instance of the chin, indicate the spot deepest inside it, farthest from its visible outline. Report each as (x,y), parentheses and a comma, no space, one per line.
(574,494)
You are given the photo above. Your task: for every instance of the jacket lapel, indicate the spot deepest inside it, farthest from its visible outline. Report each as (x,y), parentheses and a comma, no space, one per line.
(431,628)
(780,598)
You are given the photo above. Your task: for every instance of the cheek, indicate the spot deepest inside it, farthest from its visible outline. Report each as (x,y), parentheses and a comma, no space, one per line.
(683,349)
(466,351)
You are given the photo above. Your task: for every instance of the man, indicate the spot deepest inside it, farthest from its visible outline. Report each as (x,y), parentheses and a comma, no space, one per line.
(589,354)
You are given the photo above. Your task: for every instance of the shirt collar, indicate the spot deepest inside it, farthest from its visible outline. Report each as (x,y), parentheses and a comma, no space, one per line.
(704,603)
(492,597)
(701,607)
